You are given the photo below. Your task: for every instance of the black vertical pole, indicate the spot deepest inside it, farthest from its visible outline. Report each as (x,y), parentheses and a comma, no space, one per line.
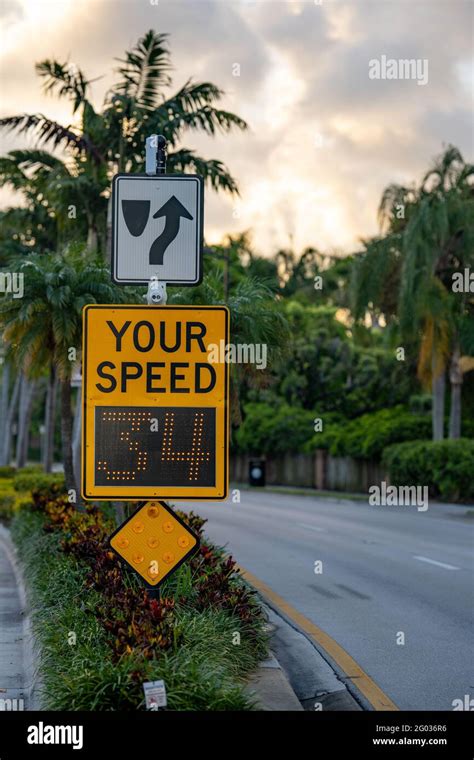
(161,155)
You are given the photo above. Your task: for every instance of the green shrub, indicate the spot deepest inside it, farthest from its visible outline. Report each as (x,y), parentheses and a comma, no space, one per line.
(27,480)
(7,501)
(467,428)
(446,467)
(367,436)
(125,636)
(7,472)
(420,403)
(269,430)
(29,469)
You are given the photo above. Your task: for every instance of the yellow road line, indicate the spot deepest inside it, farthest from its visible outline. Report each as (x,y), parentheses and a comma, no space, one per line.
(373,693)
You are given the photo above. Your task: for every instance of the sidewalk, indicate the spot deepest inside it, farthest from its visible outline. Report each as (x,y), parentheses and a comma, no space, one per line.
(12,677)
(270,687)
(17,657)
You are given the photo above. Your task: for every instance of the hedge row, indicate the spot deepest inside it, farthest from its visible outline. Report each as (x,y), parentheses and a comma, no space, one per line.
(278,430)
(367,436)
(446,467)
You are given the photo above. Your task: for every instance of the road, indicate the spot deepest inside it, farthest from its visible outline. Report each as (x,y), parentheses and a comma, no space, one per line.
(386,571)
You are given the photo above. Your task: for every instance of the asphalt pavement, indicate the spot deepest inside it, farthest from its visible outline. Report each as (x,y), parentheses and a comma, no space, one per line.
(395,588)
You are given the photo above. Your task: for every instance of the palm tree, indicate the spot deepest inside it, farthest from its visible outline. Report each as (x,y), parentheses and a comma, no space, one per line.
(43,330)
(255,317)
(34,225)
(103,143)
(9,407)
(438,241)
(427,235)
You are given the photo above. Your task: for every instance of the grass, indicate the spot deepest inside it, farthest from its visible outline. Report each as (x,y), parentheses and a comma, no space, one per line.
(205,671)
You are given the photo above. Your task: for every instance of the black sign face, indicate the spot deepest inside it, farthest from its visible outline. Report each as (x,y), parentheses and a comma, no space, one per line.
(155,446)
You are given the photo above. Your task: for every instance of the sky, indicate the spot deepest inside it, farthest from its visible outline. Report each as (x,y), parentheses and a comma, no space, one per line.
(325,138)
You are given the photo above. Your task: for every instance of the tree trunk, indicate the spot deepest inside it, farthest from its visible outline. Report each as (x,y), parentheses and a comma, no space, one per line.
(455,377)
(7,433)
(92,240)
(49,420)
(4,408)
(66,435)
(438,389)
(24,418)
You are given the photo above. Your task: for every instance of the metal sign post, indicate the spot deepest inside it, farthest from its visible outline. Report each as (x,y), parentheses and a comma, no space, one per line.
(155,408)
(155,163)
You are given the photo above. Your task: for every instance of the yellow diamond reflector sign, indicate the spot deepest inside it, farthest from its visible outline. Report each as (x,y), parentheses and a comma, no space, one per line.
(155,403)
(154,542)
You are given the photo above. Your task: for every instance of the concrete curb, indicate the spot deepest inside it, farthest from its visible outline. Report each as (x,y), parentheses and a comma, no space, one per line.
(315,682)
(271,688)
(296,676)
(30,646)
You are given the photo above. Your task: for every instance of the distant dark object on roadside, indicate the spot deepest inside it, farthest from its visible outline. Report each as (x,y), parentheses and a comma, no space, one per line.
(257,472)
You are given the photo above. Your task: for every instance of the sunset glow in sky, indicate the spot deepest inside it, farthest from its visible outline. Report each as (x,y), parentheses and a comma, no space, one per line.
(324,138)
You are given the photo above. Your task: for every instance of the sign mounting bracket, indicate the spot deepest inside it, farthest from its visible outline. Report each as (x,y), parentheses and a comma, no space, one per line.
(155,163)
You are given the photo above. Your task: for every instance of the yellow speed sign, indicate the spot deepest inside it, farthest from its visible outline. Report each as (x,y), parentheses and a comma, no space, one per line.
(155,403)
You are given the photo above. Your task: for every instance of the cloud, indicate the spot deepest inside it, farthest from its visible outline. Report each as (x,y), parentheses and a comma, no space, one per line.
(324,139)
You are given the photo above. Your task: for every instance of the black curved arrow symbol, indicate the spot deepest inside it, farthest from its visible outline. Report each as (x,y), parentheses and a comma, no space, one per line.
(172,210)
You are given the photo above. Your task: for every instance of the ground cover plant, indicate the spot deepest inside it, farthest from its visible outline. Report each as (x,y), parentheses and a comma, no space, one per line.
(102,634)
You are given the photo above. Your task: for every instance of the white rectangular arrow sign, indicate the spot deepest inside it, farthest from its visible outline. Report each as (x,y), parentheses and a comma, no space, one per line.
(157,228)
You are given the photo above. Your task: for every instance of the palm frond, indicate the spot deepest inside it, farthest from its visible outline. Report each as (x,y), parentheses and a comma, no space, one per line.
(64,79)
(191,107)
(393,196)
(49,131)
(11,173)
(145,69)
(29,158)
(214,172)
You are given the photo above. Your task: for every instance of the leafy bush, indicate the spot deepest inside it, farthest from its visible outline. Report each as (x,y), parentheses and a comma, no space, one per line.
(420,403)
(269,430)
(7,501)
(324,368)
(29,469)
(446,467)
(33,479)
(124,635)
(6,471)
(368,435)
